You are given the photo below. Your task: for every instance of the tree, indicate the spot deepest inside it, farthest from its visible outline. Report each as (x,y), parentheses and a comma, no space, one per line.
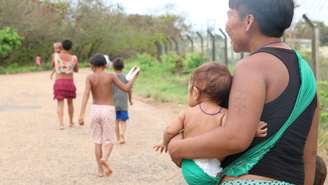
(9,40)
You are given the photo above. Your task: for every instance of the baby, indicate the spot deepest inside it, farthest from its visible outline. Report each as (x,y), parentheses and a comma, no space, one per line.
(209,88)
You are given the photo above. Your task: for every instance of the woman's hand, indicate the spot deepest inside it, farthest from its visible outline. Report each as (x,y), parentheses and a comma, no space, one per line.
(172,148)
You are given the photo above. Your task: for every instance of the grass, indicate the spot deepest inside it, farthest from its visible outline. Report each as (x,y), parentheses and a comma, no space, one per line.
(16,68)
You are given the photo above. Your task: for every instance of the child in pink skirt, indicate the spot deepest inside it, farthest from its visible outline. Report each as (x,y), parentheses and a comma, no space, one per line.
(100,84)
(64,65)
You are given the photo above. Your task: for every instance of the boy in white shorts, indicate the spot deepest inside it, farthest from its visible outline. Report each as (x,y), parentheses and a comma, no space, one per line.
(102,111)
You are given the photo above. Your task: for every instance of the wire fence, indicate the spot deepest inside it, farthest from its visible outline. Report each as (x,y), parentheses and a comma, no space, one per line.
(216,47)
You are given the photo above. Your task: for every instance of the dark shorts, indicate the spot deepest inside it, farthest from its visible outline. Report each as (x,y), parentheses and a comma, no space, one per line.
(122,115)
(64,89)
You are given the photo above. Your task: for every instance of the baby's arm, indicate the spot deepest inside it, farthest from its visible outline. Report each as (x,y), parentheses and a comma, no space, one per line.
(85,99)
(173,129)
(52,74)
(53,67)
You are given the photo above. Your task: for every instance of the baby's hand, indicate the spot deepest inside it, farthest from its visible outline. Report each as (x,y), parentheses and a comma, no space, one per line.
(262,129)
(160,148)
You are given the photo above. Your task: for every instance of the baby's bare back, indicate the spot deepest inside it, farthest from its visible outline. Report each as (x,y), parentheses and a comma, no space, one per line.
(101,88)
(197,123)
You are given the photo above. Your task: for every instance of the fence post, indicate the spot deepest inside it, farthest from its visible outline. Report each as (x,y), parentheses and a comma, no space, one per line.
(213,44)
(201,41)
(225,46)
(315,46)
(191,42)
(160,49)
(177,49)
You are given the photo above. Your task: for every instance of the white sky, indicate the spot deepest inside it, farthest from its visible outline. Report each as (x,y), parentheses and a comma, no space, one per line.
(200,13)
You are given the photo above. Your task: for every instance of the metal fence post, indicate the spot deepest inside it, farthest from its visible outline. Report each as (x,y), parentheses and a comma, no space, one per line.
(225,46)
(191,42)
(201,41)
(315,46)
(213,45)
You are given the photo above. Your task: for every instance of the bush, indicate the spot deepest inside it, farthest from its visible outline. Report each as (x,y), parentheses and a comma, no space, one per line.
(9,40)
(145,61)
(193,60)
(172,62)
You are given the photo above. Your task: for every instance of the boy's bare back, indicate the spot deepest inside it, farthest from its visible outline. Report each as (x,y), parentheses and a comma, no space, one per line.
(101,88)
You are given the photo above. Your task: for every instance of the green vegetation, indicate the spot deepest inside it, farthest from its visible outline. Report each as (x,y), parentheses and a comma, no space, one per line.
(165,81)
(93,25)
(9,40)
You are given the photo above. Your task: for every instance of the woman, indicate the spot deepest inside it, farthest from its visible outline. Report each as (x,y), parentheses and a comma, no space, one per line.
(265,87)
(65,64)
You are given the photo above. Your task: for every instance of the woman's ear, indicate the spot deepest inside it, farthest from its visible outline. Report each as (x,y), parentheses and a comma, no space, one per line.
(250,21)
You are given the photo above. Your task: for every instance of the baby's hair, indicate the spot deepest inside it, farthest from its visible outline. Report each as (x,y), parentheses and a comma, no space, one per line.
(213,80)
(118,64)
(57,45)
(98,60)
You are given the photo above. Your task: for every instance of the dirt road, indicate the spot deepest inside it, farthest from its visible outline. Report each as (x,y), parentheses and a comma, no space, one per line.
(34,152)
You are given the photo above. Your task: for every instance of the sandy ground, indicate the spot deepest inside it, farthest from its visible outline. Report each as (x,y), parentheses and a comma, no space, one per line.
(34,152)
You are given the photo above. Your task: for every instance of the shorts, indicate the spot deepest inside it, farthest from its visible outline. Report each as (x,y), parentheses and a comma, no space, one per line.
(122,115)
(103,124)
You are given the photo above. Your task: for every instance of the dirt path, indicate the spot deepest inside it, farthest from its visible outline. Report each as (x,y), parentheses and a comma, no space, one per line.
(33,152)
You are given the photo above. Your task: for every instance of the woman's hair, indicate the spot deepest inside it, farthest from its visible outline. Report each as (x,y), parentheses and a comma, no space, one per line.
(272,16)
(213,80)
(118,64)
(98,60)
(67,45)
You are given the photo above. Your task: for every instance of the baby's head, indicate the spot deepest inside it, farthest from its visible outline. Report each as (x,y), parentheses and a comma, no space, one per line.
(118,64)
(57,47)
(209,82)
(98,61)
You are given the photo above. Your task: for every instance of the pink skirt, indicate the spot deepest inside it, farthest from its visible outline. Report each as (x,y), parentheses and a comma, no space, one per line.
(64,89)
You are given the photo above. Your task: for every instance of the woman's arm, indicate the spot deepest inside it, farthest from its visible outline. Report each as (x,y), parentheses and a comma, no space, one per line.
(85,99)
(245,107)
(310,150)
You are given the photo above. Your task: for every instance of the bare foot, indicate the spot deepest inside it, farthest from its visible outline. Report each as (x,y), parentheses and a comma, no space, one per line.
(100,172)
(61,127)
(108,171)
(71,125)
(122,140)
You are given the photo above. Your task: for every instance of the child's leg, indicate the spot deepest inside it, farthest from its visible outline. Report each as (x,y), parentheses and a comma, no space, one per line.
(117,130)
(108,137)
(122,125)
(107,150)
(60,113)
(98,152)
(70,111)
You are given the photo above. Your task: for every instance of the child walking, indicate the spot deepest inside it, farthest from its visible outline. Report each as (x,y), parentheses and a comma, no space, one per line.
(209,87)
(100,84)
(121,101)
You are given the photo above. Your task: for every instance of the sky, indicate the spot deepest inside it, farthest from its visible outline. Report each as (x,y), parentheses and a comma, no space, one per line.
(203,13)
